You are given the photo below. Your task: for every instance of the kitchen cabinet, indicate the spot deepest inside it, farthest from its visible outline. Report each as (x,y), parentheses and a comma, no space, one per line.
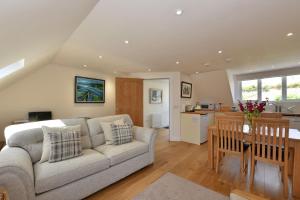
(193,127)
(294,121)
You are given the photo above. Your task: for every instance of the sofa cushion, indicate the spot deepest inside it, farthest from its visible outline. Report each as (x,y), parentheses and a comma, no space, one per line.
(96,130)
(53,175)
(61,143)
(121,153)
(29,136)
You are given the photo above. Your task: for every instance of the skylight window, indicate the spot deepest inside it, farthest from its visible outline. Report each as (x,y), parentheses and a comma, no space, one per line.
(9,69)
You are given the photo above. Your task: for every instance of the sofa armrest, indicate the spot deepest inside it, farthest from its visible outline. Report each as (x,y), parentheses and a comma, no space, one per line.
(147,135)
(16,173)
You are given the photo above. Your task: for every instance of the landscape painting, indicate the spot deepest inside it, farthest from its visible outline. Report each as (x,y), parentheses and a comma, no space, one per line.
(89,90)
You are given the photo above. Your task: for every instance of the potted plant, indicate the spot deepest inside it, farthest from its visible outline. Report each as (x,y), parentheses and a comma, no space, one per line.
(252,109)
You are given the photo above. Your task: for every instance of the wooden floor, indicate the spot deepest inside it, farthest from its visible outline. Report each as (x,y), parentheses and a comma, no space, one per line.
(190,161)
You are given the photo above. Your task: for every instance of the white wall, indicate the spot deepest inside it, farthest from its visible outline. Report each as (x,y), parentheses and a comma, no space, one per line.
(174,78)
(163,108)
(212,87)
(52,88)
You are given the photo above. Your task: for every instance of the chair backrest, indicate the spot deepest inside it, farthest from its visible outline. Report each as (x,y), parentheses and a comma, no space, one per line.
(230,133)
(239,114)
(270,115)
(271,139)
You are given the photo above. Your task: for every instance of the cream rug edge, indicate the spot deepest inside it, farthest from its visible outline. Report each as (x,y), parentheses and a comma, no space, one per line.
(172,187)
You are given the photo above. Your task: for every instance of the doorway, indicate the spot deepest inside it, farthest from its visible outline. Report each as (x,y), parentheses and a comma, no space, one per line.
(156,106)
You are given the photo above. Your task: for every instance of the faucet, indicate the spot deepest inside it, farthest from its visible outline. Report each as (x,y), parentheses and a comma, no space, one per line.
(277,106)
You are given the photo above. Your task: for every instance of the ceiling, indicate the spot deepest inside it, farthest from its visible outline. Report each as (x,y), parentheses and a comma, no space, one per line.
(34,30)
(251,34)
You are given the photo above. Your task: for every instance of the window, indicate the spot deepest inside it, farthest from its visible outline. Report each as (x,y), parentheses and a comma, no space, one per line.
(5,71)
(271,88)
(293,87)
(249,90)
(286,88)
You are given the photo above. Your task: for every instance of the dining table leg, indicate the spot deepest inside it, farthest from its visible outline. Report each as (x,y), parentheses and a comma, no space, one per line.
(211,149)
(296,171)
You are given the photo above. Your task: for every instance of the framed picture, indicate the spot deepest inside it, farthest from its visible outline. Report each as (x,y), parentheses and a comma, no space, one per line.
(155,96)
(186,90)
(89,90)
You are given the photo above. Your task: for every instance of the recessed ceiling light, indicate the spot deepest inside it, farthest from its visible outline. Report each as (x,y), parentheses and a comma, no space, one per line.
(179,12)
(84,66)
(220,51)
(289,34)
(196,72)
(149,70)
(228,60)
(126,41)
(177,62)
(100,57)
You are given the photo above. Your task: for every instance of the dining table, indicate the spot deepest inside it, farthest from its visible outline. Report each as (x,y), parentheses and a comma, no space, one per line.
(294,148)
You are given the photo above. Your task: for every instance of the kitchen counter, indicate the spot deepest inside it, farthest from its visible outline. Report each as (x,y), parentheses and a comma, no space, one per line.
(291,114)
(197,112)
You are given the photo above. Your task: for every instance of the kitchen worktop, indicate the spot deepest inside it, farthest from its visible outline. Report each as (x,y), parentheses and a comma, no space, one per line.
(291,114)
(203,112)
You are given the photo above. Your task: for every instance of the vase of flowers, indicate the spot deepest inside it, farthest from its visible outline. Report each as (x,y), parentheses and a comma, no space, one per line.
(252,109)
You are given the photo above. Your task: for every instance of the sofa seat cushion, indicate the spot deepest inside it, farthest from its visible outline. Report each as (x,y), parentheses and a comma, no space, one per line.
(121,153)
(53,175)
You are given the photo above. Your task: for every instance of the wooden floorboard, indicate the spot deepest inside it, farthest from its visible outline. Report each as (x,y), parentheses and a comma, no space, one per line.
(190,161)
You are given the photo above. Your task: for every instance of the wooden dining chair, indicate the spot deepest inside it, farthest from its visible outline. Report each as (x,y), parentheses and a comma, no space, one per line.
(270,144)
(230,139)
(270,115)
(239,114)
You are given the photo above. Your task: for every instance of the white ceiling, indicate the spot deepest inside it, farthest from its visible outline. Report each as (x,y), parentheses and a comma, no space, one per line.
(75,32)
(35,30)
(252,33)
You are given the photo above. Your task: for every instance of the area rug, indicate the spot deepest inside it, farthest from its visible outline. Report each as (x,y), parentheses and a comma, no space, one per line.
(172,187)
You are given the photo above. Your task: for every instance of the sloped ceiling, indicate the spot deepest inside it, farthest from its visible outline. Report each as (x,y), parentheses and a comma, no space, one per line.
(35,30)
(251,33)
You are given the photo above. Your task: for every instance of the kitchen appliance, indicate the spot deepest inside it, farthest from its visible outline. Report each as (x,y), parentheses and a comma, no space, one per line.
(203,128)
(189,108)
(194,128)
(207,106)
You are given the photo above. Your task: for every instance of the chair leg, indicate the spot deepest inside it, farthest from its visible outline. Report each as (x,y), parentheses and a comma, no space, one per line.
(217,163)
(252,170)
(242,163)
(285,181)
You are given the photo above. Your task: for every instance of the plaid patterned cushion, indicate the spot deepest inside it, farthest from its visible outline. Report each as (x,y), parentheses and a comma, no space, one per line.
(64,144)
(121,134)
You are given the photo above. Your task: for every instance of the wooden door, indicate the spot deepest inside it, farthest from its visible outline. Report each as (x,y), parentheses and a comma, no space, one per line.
(129,99)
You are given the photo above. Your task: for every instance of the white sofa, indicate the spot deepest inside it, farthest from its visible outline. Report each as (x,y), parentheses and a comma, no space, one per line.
(24,177)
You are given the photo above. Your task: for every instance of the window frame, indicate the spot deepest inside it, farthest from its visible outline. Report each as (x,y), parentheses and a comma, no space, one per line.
(259,89)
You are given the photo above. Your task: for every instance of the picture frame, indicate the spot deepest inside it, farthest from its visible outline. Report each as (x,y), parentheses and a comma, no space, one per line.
(186,90)
(89,90)
(155,96)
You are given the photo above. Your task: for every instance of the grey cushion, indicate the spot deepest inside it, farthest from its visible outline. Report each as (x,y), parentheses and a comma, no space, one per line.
(64,143)
(29,136)
(121,153)
(53,175)
(96,131)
